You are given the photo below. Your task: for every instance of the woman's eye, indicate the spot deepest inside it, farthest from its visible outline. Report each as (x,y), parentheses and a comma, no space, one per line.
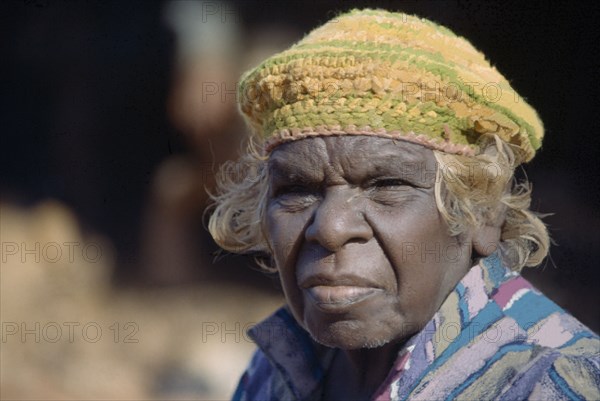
(292,190)
(295,198)
(388,182)
(390,191)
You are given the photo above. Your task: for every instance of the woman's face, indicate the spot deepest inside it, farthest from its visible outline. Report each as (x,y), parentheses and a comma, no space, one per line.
(363,254)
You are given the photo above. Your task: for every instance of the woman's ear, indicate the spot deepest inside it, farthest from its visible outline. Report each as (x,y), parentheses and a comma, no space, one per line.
(487,237)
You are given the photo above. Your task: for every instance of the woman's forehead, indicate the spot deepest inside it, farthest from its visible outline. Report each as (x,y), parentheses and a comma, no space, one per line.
(349,154)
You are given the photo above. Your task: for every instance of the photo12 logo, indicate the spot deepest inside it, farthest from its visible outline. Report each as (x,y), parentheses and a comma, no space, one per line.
(70,332)
(218,10)
(50,252)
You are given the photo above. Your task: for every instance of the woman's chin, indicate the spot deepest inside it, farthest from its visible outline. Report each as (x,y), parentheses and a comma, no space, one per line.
(347,336)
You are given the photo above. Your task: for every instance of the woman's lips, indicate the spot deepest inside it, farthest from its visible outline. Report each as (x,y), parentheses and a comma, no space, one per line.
(336,297)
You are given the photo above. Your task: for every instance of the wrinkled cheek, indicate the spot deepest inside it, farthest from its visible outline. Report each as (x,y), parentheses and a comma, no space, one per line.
(293,294)
(285,233)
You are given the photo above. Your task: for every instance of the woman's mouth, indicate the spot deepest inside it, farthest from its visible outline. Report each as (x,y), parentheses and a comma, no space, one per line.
(331,298)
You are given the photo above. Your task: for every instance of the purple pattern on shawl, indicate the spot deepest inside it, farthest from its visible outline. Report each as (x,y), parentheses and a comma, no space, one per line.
(521,386)
(418,359)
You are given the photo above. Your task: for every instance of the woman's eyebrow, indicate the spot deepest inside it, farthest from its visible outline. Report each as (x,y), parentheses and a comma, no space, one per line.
(414,169)
(289,171)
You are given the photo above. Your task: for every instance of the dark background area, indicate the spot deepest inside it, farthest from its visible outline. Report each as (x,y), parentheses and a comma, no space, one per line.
(84,87)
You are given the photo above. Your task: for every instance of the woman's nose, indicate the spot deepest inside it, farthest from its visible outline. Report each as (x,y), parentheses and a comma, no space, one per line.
(339,219)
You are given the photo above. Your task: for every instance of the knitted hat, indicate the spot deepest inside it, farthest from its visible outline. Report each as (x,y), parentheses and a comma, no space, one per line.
(392,75)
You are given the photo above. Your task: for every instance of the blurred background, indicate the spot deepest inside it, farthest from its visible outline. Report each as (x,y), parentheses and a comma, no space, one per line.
(116,116)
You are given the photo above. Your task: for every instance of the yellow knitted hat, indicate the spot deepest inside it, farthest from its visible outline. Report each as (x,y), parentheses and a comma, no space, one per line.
(374,72)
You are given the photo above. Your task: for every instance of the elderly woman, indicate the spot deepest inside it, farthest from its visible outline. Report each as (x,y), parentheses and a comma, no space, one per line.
(379,180)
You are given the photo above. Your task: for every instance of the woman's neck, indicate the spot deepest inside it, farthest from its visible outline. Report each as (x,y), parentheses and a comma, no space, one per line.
(357,374)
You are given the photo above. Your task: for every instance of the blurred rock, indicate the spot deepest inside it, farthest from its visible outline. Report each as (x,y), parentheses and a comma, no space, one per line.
(67,334)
